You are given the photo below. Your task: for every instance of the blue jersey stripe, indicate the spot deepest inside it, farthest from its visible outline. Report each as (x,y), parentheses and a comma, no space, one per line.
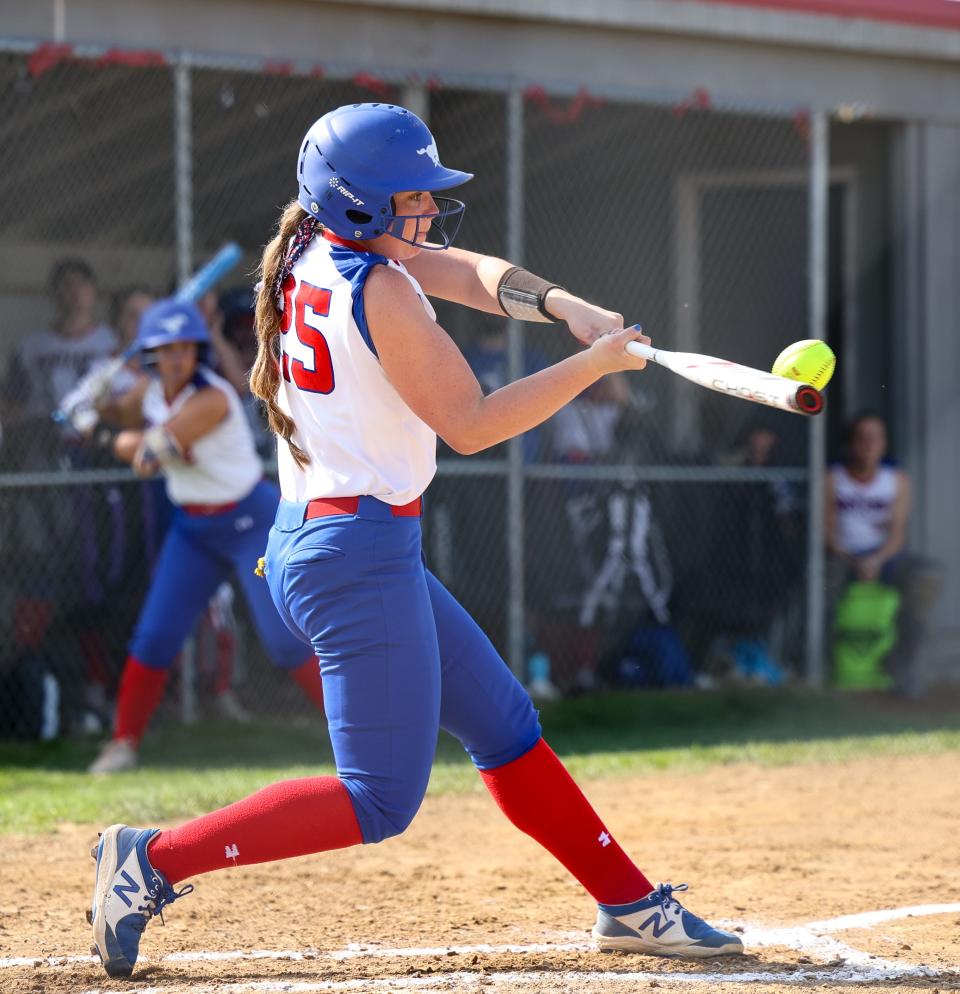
(355,267)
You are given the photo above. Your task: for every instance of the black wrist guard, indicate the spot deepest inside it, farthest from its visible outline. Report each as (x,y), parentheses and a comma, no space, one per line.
(522,295)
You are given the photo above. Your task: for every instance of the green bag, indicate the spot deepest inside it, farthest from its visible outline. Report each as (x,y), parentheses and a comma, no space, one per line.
(864,631)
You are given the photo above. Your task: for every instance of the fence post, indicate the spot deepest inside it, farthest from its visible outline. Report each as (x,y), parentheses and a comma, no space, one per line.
(516,552)
(183,166)
(817,278)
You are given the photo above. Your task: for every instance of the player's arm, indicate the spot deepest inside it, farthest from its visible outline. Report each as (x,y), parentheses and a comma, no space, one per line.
(430,374)
(148,451)
(476,281)
(198,417)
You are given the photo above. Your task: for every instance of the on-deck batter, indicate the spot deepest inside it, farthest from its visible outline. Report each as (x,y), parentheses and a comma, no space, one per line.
(196,433)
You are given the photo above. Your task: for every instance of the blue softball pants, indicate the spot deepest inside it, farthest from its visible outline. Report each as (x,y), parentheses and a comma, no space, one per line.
(399,658)
(197,555)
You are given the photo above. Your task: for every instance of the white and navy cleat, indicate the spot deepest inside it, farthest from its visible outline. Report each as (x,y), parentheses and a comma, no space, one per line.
(127,894)
(660,926)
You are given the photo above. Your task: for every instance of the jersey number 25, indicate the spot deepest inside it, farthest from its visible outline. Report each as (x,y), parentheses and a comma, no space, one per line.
(319,378)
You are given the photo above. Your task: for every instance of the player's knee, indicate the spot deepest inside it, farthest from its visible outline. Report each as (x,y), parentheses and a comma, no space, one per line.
(513,736)
(385,811)
(387,824)
(153,649)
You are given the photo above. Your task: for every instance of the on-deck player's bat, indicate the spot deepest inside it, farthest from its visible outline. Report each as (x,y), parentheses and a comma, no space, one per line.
(735,380)
(79,405)
(226,257)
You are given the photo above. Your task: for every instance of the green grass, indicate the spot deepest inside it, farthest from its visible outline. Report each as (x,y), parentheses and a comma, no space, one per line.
(189,770)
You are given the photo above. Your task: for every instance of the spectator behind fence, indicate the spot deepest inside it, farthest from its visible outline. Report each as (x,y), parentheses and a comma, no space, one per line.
(126,309)
(48,363)
(867,513)
(58,541)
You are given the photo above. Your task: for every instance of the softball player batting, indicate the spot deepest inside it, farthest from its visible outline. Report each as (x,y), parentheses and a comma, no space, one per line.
(359,379)
(198,436)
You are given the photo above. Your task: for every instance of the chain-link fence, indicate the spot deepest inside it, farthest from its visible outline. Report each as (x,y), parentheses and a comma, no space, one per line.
(649,534)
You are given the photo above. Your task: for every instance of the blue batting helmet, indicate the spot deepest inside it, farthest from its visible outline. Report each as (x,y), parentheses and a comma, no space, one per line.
(171,320)
(355,158)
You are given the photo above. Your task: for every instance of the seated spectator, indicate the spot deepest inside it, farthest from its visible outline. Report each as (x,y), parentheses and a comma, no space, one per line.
(867,512)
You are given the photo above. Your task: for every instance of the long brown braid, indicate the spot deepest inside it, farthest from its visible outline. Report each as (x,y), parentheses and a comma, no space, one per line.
(294,233)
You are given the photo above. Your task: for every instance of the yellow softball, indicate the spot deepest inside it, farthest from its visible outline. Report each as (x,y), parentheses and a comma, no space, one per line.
(810,361)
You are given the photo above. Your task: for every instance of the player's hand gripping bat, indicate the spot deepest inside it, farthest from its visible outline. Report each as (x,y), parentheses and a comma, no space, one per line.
(79,406)
(735,380)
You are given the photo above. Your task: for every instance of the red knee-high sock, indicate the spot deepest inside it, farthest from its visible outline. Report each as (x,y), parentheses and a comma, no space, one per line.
(538,795)
(307,677)
(141,689)
(291,818)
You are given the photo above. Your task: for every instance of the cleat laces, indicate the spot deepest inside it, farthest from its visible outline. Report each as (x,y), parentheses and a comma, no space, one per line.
(156,899)
(664,893)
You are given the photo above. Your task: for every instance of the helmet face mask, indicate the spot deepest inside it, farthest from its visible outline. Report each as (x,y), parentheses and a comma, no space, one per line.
(443,225)
(355,158)
(148,358)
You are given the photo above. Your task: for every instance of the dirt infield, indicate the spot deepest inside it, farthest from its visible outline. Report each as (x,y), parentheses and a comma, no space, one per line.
(462,902)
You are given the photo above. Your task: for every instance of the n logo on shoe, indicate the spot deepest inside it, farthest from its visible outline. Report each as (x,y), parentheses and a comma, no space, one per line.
(121,891)
(657,929)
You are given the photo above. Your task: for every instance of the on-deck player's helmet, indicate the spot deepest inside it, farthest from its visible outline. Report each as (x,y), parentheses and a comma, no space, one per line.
(355,158)
(168,321)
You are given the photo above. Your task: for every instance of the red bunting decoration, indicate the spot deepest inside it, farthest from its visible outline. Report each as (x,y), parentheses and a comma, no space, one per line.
(46,56)
(367,81)
(698,100)
(49,55)
(278,68)
(560,115)
(124,57)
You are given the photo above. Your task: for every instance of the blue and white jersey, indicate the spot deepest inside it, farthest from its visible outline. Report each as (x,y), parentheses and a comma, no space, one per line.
(360,435)
(864,508)
(223,465)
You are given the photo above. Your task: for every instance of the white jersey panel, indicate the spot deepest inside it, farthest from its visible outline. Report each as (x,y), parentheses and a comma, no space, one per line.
(223,465)
(361,437)
(864,509)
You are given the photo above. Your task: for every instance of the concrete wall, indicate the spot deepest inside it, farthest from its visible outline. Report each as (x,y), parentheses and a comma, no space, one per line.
(927,339)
